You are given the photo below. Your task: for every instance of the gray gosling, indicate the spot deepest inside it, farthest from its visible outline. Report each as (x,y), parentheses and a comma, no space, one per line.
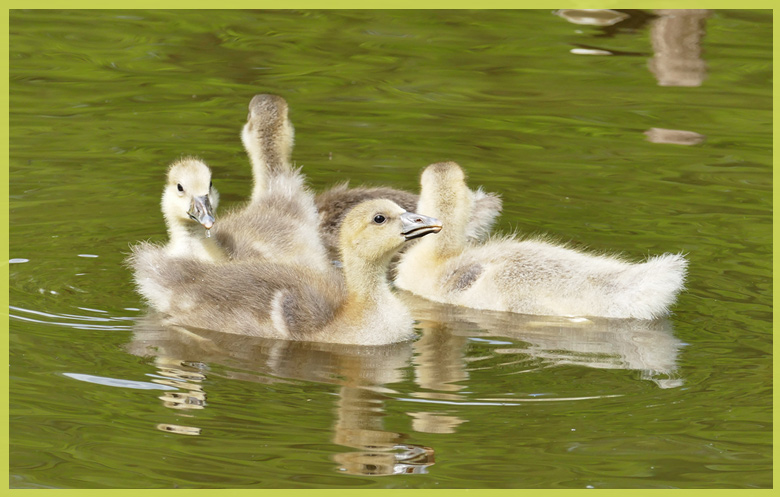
(296,301)
(279,222)
(526,276)
(188,204)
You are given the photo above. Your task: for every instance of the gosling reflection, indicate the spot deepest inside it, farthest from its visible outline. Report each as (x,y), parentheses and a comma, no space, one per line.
(676,36)
(361,371)
(187,379)
(648,347)
(184,377)
(359,425)
(439,370)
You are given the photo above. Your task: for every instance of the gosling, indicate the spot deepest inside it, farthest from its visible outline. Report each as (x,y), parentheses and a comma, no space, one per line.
(296,301)
(279,223)
(334,203)
(268,138)
(526,276)
(188,203)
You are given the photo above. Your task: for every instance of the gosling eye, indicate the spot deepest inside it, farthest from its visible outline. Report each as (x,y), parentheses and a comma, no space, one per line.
(211,184)
(379,219)
(181,188)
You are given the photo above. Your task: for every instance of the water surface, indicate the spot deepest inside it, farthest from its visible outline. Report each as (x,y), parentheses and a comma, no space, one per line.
(651,134)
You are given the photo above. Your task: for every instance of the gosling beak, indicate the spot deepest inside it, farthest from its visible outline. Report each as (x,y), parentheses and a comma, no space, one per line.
(416,225)
(200,211)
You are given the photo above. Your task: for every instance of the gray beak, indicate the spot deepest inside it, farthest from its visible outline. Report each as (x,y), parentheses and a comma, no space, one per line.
(417,225)
(200,211)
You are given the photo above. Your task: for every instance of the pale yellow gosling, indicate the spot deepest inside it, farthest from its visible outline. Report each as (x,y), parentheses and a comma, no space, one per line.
(526,276)
(280,221)
(188,204)
(297,301)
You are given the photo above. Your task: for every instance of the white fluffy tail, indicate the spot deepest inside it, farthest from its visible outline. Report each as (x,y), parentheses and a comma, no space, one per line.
(655,285)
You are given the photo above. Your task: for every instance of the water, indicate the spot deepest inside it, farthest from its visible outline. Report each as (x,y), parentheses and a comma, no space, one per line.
(532,107)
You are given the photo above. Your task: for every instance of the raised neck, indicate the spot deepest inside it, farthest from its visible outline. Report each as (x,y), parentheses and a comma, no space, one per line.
(189,240)
(454,211)
(269,156)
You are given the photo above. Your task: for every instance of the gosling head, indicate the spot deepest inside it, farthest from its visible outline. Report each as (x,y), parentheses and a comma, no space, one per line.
(268,134)
(374,230)
(267,111)
(189,194)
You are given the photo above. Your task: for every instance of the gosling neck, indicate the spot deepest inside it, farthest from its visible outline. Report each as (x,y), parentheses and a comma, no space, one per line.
(188,239)
(269,152)
(447,243)
(454,209)
(366,281)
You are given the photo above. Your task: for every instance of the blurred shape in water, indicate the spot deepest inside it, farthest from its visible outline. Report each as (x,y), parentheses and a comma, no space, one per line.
(676,36)
(362,372)
(380,453)
(592,17)
(589,51)
(431,422)
(674,136)
(178,429)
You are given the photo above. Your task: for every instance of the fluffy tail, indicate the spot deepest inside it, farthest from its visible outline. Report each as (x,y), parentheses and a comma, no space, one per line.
(486,209)
(655,285)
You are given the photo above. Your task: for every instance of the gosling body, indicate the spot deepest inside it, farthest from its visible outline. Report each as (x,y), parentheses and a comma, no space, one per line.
(527,276)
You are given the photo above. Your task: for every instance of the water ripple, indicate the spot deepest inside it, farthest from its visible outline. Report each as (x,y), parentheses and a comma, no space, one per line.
(117,382)
(55,320)
(502,403)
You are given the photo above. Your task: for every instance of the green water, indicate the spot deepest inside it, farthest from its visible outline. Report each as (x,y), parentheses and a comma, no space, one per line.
(101,396)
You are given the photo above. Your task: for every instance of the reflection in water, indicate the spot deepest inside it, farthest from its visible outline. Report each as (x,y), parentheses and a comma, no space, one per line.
(592,17)
(440,356)
(362,372)
(677,61)
(380,452)
(174,375)
(441,370)
(676,36)
(674,136)
(610,23)
(181,430)
(649,347)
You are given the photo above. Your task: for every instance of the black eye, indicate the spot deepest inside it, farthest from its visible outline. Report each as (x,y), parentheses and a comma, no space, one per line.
(181,188)
(211,184)
(379,219)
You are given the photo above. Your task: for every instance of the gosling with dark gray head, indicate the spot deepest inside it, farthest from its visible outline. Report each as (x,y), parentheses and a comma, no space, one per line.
(297,301)
(333,205)
(526,276)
